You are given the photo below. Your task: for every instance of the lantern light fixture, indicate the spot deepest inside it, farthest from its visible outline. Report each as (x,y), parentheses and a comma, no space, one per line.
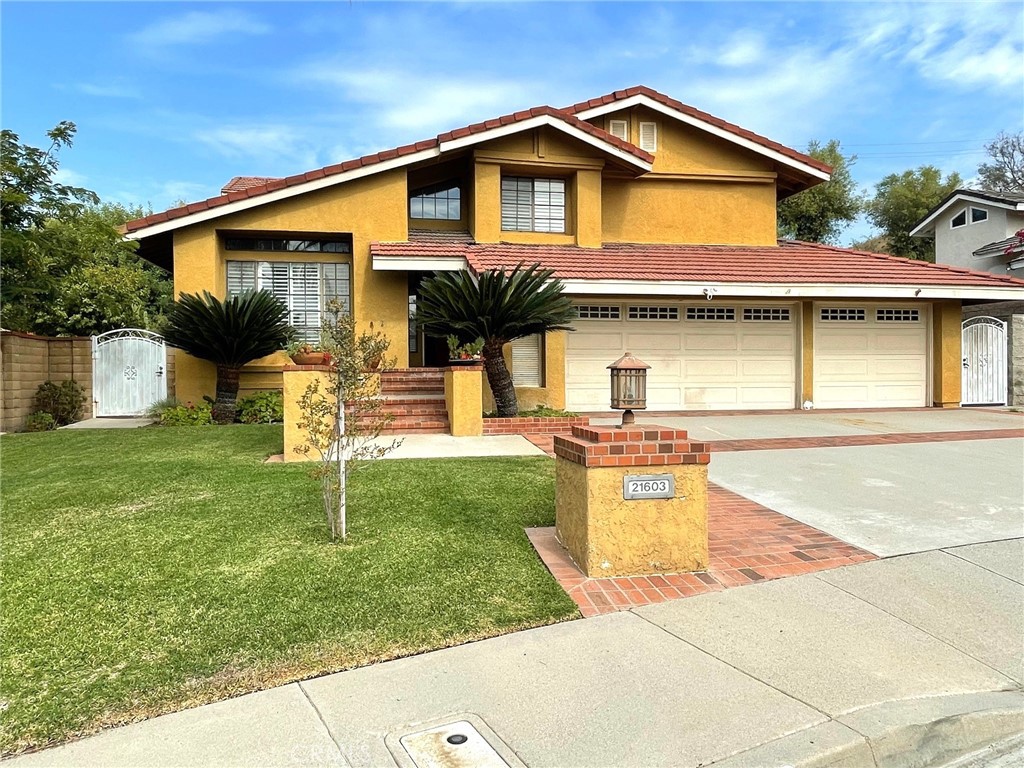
(629,386)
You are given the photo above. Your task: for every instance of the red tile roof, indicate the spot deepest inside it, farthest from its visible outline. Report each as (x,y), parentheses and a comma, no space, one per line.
(668,101)
(239,183)
(390,154)
(789,262)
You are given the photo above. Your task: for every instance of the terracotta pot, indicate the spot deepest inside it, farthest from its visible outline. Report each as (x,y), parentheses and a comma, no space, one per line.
(309,358)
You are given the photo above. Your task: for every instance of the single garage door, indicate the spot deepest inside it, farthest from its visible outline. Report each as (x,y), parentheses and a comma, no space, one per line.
(702,356)
(870,356)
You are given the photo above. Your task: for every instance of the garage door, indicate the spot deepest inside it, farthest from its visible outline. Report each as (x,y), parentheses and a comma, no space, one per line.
(702,356)
(870,356)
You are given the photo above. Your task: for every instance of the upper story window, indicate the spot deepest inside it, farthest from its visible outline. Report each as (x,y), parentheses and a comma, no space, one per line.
(340,245)
(439,201)
(649,137)
(970,215)
(619,128)
(532,205)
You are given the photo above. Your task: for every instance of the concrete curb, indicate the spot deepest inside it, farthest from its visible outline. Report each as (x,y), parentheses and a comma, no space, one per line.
(918,733)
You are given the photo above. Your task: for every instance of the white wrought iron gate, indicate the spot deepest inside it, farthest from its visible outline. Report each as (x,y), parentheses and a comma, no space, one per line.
(983,342)
(129,371)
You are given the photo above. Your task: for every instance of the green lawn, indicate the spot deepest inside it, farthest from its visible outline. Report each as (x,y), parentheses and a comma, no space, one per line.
(146,570)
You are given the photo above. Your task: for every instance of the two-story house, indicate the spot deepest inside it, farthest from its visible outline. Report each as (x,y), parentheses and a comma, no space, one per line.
(660,220)
(977,229)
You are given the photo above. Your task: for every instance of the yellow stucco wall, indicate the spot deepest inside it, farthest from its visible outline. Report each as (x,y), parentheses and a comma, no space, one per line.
(807,352)
(463,391)
(552,394)
(947,360)
(609,536)
(373,208)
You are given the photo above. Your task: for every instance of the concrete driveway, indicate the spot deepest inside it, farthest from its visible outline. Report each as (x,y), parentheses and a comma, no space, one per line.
(889,499)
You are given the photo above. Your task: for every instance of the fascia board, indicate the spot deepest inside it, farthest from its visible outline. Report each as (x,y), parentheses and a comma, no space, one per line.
(727,291)
(553,122)
(657,106)
(420,263)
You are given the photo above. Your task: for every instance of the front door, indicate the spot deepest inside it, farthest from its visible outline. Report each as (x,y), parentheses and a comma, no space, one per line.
(128,371)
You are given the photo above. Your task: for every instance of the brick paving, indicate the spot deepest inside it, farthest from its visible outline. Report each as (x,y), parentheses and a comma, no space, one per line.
(747,543)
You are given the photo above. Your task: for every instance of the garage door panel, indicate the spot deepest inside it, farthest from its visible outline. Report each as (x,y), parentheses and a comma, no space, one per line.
(712,397)
(783,344)
(654,342)
(767,397)
(897,343)
(840,367)
(771,369)
(898,395)
(701,370)
(590,340)
(901,366)
(718,342)
(664,398)
(842,341)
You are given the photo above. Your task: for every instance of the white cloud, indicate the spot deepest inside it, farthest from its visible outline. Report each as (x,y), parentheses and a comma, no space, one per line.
(196,28)
(65,175)
(109,90)
(745,48)
(263,143)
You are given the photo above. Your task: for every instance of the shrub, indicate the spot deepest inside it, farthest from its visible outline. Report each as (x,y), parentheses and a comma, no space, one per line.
(156,410)
(261,408)
(62,401)
(40,421)
(187,415)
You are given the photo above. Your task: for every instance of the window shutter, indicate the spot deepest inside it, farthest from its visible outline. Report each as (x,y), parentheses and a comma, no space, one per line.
(241,277)
(649,137)
(526,361)
(619,128)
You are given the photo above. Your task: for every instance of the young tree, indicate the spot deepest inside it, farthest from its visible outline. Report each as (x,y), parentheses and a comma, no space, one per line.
(819,214)
(498,307)
(1006,171)
(344,420)
(902,200)
(229,334)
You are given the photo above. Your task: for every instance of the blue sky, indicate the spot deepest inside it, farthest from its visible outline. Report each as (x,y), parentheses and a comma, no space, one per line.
(173,99)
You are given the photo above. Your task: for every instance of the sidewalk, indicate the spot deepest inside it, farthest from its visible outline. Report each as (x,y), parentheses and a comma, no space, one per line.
(911,660)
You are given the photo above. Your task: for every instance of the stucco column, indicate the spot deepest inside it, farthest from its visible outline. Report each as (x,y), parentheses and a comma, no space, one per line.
(296,379)
(463,397)
(947,357)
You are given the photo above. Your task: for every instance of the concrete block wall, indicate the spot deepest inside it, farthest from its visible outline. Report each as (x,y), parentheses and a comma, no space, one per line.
(26,361)
(1013,313)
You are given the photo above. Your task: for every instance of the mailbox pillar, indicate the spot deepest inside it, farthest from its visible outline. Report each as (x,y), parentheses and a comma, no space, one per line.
(632,501)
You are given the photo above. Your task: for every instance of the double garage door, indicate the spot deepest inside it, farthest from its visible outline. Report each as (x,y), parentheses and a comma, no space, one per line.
(713,355)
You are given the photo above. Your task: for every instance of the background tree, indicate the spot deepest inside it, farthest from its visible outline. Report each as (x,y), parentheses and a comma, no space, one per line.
(497,307)
(875,244)
(64,266)
(901,200)
(1006,171)
(229,334)
(820,214)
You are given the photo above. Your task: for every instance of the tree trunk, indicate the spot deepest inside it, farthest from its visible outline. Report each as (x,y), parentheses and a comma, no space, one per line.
(500,380)
(227,394)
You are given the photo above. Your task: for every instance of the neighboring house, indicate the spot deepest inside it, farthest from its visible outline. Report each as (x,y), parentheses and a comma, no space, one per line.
(977,229)
(659,218)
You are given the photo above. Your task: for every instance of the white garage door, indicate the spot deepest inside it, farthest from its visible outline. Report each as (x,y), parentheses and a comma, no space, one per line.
(702,356)
(870,356)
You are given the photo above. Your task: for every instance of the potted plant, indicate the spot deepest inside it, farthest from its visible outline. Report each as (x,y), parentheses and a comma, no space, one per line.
(462,354)
(308,353)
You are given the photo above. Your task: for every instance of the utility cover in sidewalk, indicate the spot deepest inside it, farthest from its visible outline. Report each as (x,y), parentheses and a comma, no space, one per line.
(452,745)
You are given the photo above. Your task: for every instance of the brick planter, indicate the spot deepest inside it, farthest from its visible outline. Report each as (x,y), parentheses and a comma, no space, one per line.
(535,425)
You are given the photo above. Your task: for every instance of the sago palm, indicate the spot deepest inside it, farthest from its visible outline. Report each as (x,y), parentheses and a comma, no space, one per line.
(498,307)
(229,334)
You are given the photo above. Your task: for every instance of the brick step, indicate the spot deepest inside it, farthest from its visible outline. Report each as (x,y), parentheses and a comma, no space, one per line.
(415,399)
(406,393)
(413,373)
(415,431)
(417,424)
(418,410)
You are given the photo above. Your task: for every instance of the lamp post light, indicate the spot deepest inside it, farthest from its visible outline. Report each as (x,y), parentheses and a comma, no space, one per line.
(629,386)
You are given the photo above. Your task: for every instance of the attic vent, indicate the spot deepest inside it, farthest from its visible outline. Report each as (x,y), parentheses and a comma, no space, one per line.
(897,315)
(649,137)
(619,128)
(597,312)
(723,314)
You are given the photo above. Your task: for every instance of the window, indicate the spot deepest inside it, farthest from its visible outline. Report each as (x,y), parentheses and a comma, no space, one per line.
(959,220)
(532,205)
(653,313)
(340,245)
(440,201)
(527,361)
(597,312)
(766,314)
(721,314)
(619,128)
(649,137)
(304,287)
(978,214)
(897,315)
(413,329)
(843,314)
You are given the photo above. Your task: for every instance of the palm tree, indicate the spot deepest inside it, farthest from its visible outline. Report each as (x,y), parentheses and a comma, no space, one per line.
(498,307)
(229,334)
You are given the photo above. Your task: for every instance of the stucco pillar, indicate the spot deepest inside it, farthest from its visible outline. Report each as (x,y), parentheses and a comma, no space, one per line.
(486,202)
(463,397)
(608,534)
(947,357)
(296,379)
(588,209)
